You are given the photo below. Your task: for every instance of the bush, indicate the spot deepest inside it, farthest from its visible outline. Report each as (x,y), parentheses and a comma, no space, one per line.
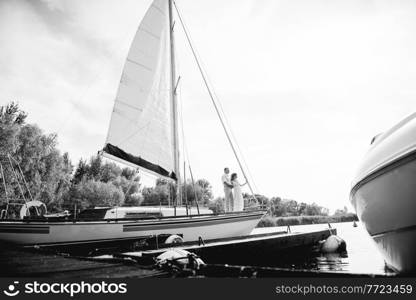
(267,221)
(217,205)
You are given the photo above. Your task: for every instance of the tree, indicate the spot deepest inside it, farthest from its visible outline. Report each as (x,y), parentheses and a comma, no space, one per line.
(205,190)
(46,171)
(91,193)
(313,210)
(35,154)
(155,196)
(12,118)
(302,208)
(94,170)
(276,207)
(129,173)
(291,207)
(109,172)
(134,200)
(131,189)
(340,212)
(64,184)
(126,180)
(80,172)
(193,193)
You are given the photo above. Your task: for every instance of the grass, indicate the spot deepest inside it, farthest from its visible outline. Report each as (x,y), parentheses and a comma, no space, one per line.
(270,221)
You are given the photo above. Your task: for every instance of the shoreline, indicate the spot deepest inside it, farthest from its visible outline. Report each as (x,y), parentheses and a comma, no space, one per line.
(270,221)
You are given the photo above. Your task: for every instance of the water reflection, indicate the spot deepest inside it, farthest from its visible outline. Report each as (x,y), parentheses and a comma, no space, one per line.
(332,262)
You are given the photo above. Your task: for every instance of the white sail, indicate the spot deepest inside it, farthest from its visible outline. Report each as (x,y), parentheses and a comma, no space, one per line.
(141,124)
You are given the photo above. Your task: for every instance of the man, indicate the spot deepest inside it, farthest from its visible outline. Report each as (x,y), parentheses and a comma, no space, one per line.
(228,191)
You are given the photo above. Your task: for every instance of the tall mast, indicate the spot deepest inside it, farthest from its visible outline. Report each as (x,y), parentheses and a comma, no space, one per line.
(174,105)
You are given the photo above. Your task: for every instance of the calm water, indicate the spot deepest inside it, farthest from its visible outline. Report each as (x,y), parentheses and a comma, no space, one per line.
(363,256)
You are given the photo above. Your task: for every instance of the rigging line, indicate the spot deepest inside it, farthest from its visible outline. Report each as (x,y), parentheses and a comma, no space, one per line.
(213,100)
(17,179)
(237,145)
(233,136)
(212,96)
(5,190)
(246,166)
(175,123)
(23,177)
(186,155)
(4,182)
(178,93)
(239,151)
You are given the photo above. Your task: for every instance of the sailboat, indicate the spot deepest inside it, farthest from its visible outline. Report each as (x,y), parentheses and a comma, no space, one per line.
(143,133)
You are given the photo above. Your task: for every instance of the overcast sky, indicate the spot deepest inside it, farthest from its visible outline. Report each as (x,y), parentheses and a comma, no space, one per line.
(305,84)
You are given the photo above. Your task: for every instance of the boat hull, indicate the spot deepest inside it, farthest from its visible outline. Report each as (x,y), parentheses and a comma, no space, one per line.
(384,194)
(400,259)
(67,233)
(386,205)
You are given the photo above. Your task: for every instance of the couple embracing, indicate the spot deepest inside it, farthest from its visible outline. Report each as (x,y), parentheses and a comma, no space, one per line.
(232,190)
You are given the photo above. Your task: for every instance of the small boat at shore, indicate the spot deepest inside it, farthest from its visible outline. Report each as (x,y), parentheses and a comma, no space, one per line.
(143,134)
(384,194)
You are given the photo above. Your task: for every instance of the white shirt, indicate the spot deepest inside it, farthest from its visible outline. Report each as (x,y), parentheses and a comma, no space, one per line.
(225,179)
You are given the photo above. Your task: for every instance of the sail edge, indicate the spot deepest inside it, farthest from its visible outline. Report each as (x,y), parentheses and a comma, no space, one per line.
(138,161)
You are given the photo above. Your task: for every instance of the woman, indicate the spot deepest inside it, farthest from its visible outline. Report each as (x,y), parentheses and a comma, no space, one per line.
(238,196)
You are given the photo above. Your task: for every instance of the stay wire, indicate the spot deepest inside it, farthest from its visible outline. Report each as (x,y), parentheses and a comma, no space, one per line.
(215,101)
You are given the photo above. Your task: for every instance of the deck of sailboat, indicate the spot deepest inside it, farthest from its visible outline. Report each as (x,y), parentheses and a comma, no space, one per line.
(134,220)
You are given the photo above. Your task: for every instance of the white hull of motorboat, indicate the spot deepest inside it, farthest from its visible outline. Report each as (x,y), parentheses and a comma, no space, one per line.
(384,195)
(66,233)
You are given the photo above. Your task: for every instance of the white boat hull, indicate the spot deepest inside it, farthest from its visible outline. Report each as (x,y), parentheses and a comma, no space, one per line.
(67,233)
(386,206)
(384,195)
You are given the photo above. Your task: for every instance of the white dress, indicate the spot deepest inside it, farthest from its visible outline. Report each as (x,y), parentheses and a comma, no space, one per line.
(238,196)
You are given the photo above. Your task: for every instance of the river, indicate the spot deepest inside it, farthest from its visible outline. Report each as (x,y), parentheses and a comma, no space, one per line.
(363,256)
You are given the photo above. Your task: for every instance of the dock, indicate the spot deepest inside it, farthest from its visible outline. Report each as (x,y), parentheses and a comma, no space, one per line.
(254,250)
(248,256)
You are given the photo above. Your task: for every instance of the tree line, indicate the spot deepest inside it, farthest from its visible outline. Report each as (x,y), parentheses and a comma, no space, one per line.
(29,157)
